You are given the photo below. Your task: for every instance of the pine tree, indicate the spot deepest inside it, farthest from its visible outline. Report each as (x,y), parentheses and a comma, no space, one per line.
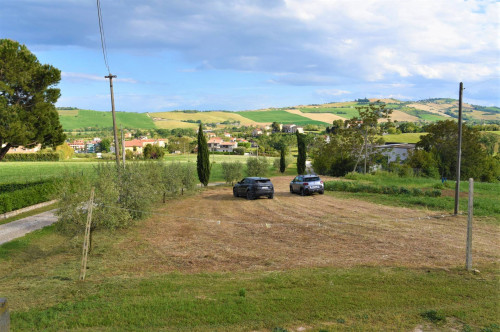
(282,161)
(301,158)
(202,161)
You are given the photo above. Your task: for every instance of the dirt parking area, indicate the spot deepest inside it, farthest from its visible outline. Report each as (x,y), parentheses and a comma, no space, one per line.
(213,231)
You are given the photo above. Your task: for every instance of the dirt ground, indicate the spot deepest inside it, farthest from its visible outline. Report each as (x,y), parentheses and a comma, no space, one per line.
(213,231)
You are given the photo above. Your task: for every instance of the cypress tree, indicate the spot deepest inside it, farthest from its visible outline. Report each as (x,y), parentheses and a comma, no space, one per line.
(301,158)
(282,161)
(202,161)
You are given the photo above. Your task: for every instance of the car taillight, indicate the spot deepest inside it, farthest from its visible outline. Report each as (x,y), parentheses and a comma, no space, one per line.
(306,183)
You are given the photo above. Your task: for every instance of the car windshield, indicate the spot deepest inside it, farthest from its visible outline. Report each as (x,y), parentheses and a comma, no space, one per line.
(262,181)
(314,178)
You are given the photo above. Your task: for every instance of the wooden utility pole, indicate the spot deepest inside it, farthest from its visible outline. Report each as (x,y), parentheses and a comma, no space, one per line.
(468,250)
(117,152)
(459,152)
(86,239)
(123,146)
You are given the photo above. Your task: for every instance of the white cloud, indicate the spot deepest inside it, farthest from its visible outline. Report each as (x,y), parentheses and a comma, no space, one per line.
(78,77)
(332,92)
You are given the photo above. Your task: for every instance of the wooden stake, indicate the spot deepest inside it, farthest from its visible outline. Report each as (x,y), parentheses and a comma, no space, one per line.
(86,239)
(468,250)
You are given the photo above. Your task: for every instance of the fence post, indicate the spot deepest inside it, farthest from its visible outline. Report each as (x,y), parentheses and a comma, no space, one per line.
(4,315)
(86,239)
(468,250)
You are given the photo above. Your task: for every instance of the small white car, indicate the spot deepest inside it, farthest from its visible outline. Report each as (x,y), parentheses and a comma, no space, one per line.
(307,184)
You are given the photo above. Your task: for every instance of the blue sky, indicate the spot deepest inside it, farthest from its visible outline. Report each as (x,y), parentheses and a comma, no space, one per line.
(250,54)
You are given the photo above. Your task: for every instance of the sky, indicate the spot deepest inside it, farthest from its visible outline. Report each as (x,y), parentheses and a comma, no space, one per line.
(250,54)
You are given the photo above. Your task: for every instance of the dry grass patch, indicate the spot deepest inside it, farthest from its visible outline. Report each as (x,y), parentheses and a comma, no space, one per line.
(311,231)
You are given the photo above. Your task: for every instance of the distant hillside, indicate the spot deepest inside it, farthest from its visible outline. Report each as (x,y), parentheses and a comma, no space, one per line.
(428,110)
(72,119)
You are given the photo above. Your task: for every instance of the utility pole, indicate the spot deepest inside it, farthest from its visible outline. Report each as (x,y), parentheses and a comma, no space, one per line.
(459,152)
(117,153)
(123,146)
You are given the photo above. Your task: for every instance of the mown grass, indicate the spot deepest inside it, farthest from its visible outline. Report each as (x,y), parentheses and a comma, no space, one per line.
(11,172)
(89,118)
(40,280)
(279,116)
(359,298)
(485,194)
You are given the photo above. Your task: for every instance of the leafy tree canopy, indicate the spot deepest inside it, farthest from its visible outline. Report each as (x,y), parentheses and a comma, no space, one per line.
(27,96)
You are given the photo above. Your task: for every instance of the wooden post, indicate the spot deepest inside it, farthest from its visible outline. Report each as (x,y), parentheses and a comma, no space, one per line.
(86,239)
(4,315)
(468,250)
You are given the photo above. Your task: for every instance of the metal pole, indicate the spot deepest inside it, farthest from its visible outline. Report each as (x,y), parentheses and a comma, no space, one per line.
(459,152)
(468,250)
(117,152)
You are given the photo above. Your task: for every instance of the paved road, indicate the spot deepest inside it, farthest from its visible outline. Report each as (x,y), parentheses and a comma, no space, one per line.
(18,228)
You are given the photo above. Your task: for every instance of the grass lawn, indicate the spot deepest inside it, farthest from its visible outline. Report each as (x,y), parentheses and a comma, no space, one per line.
(345,112)
(12,172)
(40,280)
(485,194)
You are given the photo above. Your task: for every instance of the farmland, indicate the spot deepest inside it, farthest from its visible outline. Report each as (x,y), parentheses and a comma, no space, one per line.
(205,117)
(279,116)
(76,119)
(426,111)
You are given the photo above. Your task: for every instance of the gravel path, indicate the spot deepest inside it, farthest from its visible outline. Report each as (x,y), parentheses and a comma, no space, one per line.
(18,228)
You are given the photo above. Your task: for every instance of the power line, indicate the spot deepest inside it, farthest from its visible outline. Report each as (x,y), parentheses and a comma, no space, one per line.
(103,38)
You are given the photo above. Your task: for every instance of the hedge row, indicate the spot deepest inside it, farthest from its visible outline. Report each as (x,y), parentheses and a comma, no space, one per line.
(27,196)
(8,187)
(45,156)
(355,187)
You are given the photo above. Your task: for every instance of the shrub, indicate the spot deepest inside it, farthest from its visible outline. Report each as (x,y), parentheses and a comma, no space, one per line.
(257,166)
(41,156)
(232,171)
(120,196)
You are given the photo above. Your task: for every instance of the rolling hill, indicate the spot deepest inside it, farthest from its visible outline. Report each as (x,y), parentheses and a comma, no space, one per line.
(428,110)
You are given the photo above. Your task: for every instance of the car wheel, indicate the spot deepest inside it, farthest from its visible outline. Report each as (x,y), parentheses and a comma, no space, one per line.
(249,195)
(270,196)
(321,192)
(235,192)
(291,189)
(302,193)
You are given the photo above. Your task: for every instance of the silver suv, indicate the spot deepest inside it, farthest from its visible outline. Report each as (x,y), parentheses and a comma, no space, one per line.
(307,184)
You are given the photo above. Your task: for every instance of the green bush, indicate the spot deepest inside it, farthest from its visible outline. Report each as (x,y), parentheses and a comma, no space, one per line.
(18,196)
(43,156)
(232,171)
(355,187)
(257,166)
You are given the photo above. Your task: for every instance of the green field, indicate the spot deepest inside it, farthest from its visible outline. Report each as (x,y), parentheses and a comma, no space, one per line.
(403,138)
(345,112)
(278,116)
(18,172)
(88,118)
(426,116)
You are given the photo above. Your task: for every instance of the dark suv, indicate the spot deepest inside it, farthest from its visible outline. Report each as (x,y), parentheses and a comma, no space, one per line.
(254,187)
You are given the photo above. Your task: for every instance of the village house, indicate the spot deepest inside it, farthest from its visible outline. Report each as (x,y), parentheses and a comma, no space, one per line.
(217,144)
(22,149)
(292,129)
(396,152)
